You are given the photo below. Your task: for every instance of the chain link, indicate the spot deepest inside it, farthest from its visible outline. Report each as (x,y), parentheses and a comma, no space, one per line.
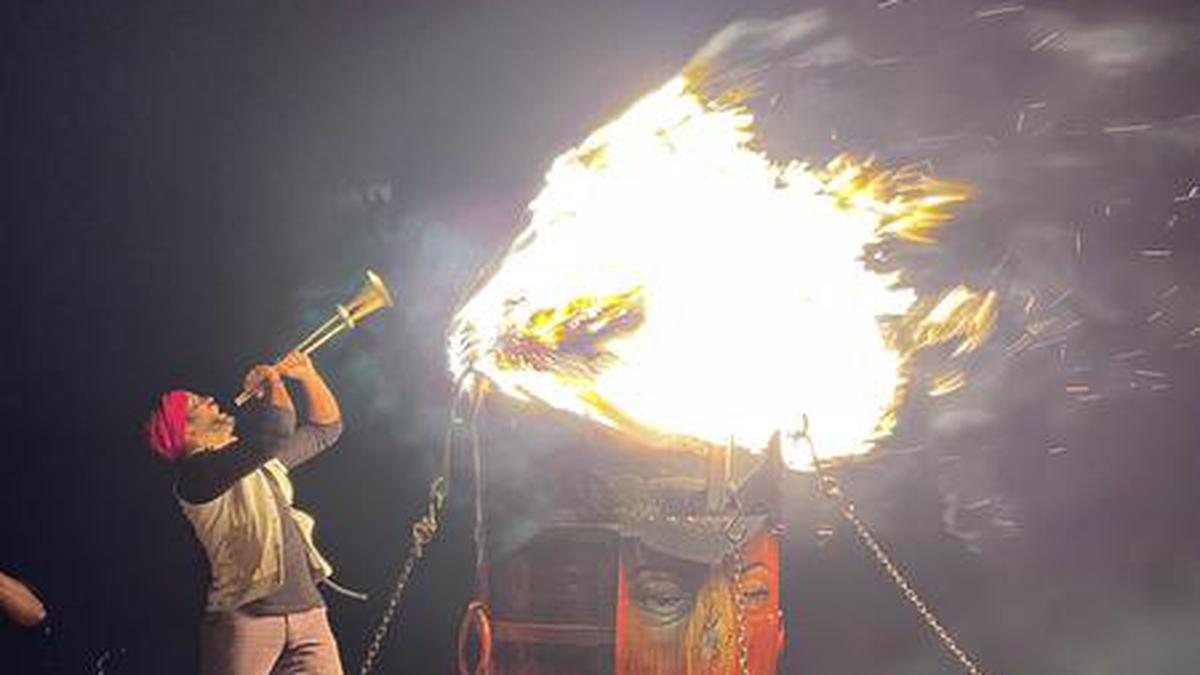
(423,532)
(830,489)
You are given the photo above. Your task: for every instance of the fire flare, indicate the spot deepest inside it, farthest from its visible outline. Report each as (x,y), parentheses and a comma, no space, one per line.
(675,282)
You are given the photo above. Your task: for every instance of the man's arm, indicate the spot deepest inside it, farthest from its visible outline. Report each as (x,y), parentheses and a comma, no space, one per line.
(278,419)
(205,475)
(322,406)
(19,603)
(324,419)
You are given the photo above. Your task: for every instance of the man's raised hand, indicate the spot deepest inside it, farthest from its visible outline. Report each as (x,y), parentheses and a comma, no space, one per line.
(296,365)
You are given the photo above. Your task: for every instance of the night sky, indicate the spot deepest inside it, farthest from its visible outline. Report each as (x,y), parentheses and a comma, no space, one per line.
(190,189)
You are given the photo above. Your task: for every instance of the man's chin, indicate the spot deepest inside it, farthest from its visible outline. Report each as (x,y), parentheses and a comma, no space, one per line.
(224,441)
(219,437)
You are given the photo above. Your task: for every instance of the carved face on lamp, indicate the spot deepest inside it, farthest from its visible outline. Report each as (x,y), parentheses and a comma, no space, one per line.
(677,616)
(633,568)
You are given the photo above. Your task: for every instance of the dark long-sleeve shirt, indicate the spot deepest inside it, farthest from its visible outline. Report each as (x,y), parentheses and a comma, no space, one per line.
(205,475)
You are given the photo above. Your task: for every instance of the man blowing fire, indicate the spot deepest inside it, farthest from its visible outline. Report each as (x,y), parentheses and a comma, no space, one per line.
(264,613)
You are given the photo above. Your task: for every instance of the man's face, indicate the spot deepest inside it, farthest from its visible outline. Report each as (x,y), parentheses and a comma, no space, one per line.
(681,618)
(207,426)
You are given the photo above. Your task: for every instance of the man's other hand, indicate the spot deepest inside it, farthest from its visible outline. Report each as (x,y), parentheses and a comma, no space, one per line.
(260,378)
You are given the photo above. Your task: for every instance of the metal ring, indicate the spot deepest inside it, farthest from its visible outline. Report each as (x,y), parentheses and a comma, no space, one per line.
(475,620)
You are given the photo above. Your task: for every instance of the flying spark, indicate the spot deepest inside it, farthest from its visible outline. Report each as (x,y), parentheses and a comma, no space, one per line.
(1128,128)
(1045,41)
(999,11)
(1193,193)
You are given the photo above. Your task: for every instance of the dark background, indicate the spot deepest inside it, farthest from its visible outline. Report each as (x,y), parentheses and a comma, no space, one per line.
(188,189)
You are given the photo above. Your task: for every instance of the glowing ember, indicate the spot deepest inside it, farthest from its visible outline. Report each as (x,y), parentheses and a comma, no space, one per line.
(674,282)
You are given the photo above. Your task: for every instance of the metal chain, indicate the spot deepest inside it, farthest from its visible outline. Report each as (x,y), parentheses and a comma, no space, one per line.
(829,488)
(426,527)
(423,532)
(735,533)
(479,534)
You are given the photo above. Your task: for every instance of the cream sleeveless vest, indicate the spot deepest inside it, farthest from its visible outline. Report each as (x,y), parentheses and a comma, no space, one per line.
(243,538)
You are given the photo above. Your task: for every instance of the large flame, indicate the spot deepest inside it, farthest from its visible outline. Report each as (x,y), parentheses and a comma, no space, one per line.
(676,283)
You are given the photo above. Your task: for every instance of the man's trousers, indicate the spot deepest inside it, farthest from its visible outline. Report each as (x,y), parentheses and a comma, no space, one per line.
(233,643)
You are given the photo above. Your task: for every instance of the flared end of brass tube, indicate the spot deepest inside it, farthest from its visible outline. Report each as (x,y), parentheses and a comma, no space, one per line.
(380,289)
(371,297)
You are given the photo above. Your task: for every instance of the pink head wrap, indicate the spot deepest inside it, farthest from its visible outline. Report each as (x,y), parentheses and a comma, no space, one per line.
(167,426)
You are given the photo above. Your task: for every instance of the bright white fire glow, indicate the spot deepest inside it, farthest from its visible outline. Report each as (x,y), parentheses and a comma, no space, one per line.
(675,282)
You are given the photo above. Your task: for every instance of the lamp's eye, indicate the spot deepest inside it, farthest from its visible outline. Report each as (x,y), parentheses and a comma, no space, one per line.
(755,585)
(661,597)
(755,594)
